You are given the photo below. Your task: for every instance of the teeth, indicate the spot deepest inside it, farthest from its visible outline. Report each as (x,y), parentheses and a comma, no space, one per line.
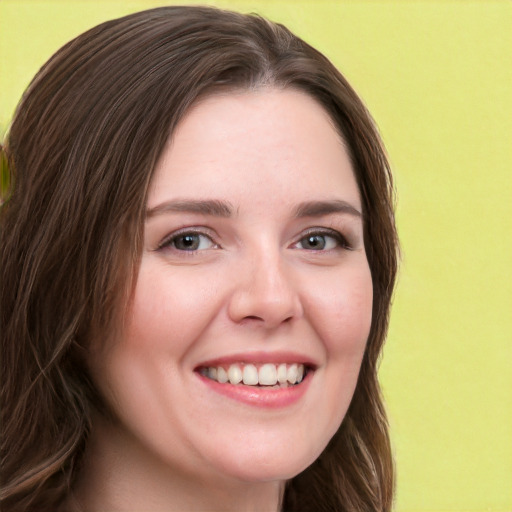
(234,374)
(250,375)
(268,374)
(300,373)
(292,374)
(222,375)
(281,373)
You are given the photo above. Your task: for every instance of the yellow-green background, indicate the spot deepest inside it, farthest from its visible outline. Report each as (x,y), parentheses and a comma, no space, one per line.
(437,76)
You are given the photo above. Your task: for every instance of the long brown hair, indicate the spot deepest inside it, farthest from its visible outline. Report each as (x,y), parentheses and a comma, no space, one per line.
(81,152)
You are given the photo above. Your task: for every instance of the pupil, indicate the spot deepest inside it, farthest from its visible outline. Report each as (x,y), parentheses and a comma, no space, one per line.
(316,242)
(188,242)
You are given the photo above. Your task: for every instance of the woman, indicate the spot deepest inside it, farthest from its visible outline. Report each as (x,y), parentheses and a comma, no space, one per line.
(198,255)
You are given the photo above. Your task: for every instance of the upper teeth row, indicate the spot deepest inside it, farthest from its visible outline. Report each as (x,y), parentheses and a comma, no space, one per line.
(267,375)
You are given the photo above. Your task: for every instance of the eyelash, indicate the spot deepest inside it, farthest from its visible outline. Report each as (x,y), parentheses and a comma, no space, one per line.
(340,240)
(170,241)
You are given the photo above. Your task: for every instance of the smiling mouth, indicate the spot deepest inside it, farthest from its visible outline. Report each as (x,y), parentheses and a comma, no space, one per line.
(267,375)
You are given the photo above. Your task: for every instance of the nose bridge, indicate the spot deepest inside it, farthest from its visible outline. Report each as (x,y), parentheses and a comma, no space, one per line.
(267,292)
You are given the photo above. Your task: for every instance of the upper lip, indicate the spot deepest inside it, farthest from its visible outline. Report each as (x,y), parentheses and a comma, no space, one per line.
(260,357)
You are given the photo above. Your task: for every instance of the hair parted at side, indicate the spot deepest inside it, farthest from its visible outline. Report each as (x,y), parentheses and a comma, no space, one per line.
(81,151)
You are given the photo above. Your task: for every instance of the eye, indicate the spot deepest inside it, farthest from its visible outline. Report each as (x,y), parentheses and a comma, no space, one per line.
(188,241)
(322,241)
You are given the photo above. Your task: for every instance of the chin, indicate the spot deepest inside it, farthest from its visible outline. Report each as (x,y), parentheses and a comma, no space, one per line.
(274,461)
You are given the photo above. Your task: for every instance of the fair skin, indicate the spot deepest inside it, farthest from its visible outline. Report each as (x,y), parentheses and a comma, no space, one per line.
(253,256)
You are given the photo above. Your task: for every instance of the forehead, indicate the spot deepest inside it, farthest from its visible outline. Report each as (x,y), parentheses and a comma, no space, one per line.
(273,142)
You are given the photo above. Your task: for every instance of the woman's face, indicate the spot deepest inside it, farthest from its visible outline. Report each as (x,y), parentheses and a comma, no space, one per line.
(253,268)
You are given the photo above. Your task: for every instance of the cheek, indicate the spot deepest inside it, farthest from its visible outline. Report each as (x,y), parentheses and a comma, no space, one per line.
(342,311)
(169,310)
(167,314)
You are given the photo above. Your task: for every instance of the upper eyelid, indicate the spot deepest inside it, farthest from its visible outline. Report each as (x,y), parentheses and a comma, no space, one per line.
(343,239)
(321,231)
(184,231)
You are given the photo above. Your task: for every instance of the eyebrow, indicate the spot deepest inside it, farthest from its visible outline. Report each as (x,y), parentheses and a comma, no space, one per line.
(217,208)
(320,208)
(211,207)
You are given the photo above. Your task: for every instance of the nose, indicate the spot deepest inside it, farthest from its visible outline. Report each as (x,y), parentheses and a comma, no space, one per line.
(265,294)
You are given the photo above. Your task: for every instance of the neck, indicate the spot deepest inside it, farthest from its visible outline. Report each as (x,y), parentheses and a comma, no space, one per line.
(121,475)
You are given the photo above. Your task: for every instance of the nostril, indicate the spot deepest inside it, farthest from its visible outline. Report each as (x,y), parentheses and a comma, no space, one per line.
(256,318)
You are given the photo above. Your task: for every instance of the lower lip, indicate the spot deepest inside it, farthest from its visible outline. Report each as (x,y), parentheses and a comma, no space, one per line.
(261,396)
